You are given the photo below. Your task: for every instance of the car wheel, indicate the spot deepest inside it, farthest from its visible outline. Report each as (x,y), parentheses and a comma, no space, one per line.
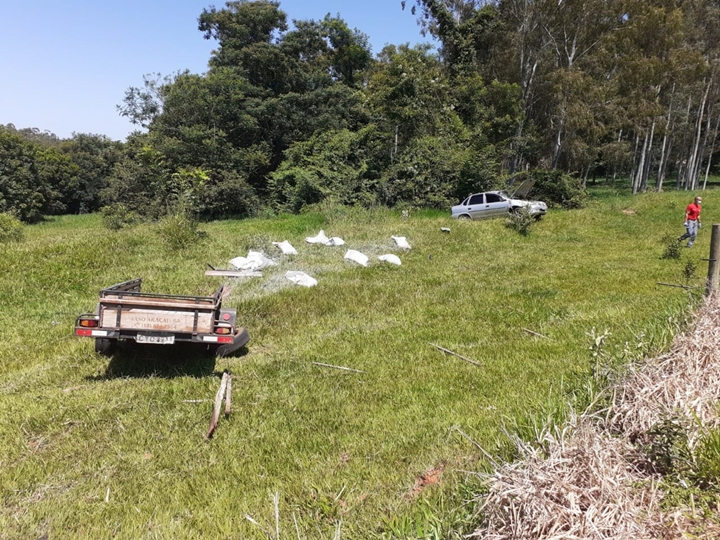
(105,346)
(464,217)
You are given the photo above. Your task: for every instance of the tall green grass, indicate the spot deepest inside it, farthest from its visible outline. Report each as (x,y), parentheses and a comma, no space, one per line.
(98,448)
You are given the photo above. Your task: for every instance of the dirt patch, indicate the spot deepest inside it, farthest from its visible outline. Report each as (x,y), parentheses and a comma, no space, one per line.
(430,477)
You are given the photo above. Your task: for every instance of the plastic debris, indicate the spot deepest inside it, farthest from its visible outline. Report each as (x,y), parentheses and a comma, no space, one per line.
(335,241)
(357,257)
(254,261)
(445,229)
(393,259)
(301,278)
(285,247)
(320,238)
(401,242)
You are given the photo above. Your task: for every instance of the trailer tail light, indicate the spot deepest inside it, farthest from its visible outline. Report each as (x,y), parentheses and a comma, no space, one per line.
(223,328)
(88,323)
(90,333)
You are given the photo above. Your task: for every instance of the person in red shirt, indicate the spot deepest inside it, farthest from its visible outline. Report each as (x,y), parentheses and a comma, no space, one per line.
(692,221)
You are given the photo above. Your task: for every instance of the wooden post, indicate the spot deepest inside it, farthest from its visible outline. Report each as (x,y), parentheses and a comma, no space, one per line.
(713,266)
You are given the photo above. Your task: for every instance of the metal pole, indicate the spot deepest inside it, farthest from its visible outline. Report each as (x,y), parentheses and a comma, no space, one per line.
(713,266)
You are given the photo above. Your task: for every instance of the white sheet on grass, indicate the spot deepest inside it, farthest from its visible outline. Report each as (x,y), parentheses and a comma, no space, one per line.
(301,278)
(254,261)
(286,247)
(335,241)
(393,259)
(357,257)
(401,242)
(319,238)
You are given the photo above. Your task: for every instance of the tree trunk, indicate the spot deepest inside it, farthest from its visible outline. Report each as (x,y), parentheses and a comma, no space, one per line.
(633,168)
(712,151)
(648,159)
(640,170)
(683,163)
(693,166)
(665,151)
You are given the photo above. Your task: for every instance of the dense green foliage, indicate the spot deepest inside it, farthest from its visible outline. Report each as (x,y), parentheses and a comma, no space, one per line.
(290,114)
(11,228)
(94,447)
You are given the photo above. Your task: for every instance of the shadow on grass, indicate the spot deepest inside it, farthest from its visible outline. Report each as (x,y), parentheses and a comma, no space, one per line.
(180,360)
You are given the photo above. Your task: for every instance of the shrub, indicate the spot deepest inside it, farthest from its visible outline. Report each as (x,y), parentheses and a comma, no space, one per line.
(11,228)
(179,230)
(226,194)
(520,220)
(118,216)
(556,188)
(672,247)
(707,460)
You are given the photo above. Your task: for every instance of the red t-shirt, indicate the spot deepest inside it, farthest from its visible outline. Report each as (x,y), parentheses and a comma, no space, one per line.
(692,211)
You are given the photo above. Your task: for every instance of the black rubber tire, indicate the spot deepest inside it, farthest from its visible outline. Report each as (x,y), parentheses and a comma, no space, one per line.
(464,217)
(241,339)
(105,346)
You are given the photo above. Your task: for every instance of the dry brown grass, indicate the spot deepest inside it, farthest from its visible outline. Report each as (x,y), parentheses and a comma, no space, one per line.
(590,479)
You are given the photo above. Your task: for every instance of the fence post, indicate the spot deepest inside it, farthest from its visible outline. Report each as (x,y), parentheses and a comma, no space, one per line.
(713,266)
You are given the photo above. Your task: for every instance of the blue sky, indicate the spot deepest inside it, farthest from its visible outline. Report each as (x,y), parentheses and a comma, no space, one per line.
(65,65)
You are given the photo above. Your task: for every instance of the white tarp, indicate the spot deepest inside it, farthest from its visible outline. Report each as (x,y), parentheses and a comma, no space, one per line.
(301,278)
(357,257)
(335,241)
(254,261)
(320,238)
(286,247)
(393,259)
(401,242)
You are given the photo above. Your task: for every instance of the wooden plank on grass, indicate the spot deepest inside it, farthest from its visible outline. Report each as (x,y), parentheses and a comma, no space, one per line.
(218,402)
(534,333)
(228,395)
(233,273)
(338,367)
(443,349)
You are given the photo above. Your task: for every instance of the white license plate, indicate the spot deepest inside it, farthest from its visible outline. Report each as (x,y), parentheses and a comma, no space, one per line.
(156,340)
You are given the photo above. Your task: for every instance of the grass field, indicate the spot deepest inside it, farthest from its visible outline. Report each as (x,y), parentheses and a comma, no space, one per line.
(99,448)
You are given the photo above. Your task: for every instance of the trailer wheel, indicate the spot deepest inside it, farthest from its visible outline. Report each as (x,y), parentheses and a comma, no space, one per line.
(105,346)
(241,338)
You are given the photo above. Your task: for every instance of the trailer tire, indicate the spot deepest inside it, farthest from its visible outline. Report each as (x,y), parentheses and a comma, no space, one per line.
(241,339)
(105,346)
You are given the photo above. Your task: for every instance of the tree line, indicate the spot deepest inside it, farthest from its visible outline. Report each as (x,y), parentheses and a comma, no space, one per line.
(289,115)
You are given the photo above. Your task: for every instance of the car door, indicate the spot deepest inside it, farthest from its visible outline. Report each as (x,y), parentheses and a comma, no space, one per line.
(495,205)
(476,206)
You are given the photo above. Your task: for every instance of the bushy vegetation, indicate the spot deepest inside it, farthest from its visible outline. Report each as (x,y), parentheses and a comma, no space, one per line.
(292,114)
(556,188)
(11,228)
(118,216)
(179,230)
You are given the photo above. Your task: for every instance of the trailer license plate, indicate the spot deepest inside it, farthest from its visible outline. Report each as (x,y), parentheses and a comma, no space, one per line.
(156,340)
